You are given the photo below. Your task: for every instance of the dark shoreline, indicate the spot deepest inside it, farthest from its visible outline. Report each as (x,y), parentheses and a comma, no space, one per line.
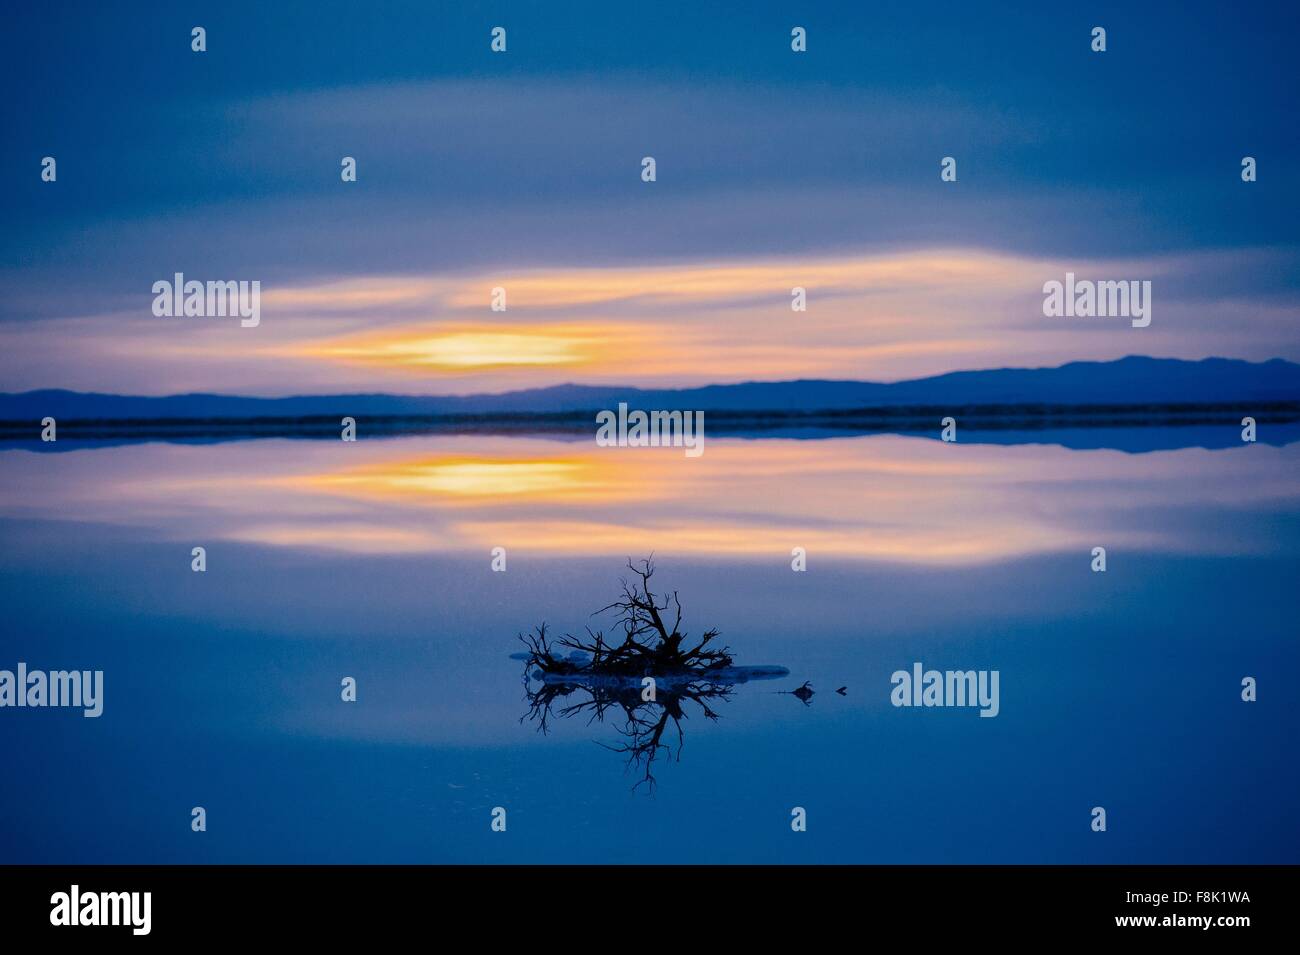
(1204,425)
(896,417)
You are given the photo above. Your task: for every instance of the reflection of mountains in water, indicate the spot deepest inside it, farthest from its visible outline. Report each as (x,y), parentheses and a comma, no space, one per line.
(1121,428)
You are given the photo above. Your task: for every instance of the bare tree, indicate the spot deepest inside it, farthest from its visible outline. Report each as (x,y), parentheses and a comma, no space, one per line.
(600,678)
(648,646)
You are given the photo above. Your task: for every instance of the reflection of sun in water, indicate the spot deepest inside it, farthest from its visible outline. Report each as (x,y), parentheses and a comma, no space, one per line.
(880,498)
(549,479)
(484,477)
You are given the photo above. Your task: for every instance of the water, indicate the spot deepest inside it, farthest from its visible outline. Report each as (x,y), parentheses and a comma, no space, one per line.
(372,560)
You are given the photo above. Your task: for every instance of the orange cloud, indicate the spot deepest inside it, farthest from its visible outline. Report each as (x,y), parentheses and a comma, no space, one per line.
(476,348)
(873,316)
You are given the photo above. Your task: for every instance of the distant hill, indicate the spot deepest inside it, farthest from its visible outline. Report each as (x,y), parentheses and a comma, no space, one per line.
(1126,381)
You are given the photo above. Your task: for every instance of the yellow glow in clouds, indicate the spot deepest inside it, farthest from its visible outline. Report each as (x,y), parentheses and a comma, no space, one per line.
(474,349)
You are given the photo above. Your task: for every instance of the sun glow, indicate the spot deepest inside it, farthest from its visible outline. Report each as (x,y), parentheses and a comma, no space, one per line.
(472,348)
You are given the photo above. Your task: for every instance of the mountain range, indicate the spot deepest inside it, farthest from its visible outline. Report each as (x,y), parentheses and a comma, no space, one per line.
(1128,382)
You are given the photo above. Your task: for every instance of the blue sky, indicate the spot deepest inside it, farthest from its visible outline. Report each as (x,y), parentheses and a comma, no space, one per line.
(476,166)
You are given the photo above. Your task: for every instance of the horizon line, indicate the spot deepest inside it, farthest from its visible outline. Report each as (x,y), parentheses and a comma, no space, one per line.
(641,388)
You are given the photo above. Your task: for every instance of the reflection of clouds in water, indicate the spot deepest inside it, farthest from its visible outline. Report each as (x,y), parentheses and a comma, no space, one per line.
(879,497)
(440,479)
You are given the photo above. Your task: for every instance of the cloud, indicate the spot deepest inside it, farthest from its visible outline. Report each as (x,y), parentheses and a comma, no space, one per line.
(470,175)
(870,315)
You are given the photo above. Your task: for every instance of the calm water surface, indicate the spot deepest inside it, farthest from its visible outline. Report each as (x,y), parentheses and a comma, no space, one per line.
(372,560)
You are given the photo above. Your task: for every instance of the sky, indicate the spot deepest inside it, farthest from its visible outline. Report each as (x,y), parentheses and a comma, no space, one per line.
(522,170)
